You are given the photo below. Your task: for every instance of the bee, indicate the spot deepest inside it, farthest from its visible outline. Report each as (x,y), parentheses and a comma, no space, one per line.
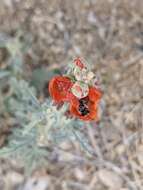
(83,108)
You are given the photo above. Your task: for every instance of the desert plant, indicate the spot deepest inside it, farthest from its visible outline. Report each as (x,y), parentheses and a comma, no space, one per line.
(39,127)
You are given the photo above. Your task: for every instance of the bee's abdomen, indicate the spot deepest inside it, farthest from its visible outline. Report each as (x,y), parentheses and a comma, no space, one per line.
(83,108)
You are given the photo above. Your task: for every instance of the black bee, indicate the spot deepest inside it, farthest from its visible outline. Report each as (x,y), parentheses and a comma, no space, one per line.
(83,109)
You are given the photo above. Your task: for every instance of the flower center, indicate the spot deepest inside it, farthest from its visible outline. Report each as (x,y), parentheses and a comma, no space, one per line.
(83,107)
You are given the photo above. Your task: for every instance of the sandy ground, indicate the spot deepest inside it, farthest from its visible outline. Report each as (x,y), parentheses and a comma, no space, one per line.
(109,34)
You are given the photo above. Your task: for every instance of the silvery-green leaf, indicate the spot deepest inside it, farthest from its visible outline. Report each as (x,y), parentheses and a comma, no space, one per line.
(4,74)
(3,40)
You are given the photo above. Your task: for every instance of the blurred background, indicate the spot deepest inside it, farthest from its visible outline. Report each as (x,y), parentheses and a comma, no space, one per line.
(109,35)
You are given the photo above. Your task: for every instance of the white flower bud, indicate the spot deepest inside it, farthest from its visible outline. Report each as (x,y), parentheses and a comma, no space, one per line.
(80,90)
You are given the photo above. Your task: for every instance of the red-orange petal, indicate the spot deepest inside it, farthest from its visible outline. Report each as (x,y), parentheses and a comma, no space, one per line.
(93,115)
(94,94)
(59,88)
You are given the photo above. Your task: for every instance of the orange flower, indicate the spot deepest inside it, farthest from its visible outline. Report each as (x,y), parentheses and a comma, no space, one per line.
(83,99)
(86,108)
(59,88)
